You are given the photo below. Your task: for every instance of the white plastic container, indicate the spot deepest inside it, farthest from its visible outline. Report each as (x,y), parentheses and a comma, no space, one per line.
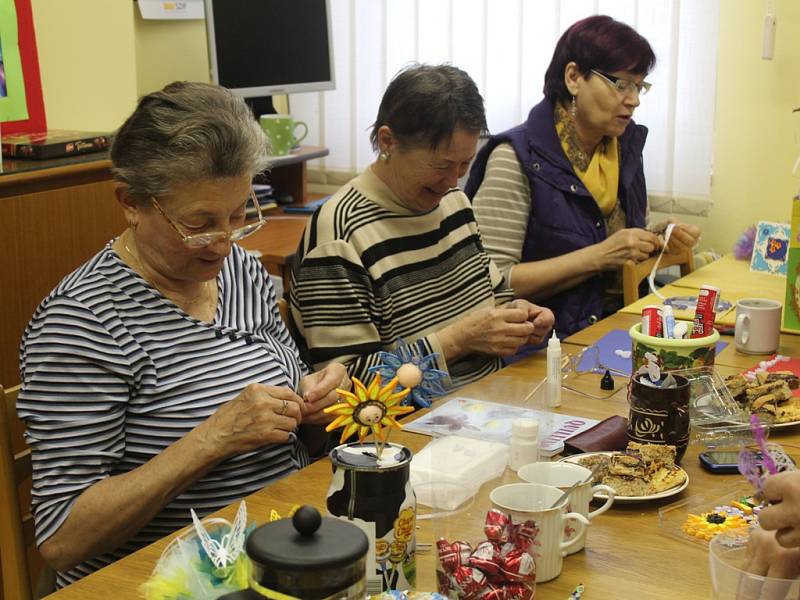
(524,443)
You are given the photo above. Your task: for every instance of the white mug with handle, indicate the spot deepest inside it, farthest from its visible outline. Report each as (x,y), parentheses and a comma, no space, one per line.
(534,502)
(758,325)
(562,475)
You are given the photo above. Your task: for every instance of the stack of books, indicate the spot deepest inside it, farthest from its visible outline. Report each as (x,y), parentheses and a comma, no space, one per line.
(265,197)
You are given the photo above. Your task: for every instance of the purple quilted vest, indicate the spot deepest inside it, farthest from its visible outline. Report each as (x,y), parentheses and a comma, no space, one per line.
(564,216)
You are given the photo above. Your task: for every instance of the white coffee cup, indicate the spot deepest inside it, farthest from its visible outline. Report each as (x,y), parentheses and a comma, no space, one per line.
(532,501)
(563,475)
(758,325)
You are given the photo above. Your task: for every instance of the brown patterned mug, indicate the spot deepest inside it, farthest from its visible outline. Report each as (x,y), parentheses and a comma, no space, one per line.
(659,415)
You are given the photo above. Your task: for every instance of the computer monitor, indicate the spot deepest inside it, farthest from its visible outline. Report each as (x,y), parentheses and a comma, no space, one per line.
(259,48)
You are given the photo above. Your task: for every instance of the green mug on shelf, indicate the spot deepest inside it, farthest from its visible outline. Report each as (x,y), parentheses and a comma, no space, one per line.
(280,130)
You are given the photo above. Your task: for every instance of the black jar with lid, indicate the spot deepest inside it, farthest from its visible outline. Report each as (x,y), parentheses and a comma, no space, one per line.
(307,557)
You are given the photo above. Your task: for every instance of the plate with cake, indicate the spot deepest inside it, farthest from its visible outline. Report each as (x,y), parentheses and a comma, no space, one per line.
(639,473)
(774,395)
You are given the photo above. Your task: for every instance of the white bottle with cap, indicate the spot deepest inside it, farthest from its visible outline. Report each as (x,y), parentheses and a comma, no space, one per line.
(524,443)
(553,371)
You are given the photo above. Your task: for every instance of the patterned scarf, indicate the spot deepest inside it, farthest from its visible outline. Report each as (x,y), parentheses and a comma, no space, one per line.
(600,175)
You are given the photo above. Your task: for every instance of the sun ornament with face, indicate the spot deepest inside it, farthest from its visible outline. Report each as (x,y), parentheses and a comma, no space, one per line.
(368,410)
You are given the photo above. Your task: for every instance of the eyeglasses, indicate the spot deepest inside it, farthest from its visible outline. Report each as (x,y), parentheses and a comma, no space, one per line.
(201,240)
(622,85)
(587,361)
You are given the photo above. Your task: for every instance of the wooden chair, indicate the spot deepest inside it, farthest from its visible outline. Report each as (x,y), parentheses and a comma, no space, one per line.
(634,273)
(16,530)
(286,313)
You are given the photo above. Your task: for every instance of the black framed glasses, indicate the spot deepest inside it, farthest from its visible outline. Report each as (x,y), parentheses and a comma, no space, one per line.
(623,85)
(201,240)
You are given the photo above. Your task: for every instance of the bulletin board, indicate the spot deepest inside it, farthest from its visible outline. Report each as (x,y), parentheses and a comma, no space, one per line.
(21,102)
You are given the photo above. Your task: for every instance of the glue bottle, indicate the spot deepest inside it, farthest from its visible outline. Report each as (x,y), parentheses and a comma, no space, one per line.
(554,371)
(524,443)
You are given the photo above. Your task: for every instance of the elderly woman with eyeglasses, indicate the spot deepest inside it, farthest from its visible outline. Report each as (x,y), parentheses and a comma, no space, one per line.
(561,199)
(158,376)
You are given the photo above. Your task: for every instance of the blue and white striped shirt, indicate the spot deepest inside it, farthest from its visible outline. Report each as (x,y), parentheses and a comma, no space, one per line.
(113,373)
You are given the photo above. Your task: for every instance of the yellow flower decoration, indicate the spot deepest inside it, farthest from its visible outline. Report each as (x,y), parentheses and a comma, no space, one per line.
(707,525)
(368,410)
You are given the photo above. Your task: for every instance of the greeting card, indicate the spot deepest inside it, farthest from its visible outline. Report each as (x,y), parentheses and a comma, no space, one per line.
(771,247)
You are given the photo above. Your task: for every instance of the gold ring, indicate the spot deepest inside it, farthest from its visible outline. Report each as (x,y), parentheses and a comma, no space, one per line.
(285,407)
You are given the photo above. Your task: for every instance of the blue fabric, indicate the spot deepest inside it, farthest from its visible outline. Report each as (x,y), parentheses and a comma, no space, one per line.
(564,217)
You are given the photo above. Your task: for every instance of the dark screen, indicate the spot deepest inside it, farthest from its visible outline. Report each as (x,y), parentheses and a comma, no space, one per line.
(271,42)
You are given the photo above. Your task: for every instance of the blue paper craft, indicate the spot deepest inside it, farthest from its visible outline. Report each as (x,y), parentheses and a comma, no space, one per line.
(771,248)
(617,339)
(308,207)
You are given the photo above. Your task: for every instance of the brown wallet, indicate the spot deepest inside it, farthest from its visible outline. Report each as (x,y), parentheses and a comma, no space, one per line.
(608,434)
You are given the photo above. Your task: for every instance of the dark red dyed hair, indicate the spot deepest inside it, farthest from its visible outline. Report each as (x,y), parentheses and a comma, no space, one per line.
(601,43)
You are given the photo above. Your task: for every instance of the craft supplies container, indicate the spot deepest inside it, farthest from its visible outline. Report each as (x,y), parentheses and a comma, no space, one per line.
(376,494)
(524,443)
(660,415)
(673,354)
(307,557)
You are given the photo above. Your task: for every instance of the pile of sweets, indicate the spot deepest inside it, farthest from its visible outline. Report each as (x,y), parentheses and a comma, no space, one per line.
(502,567)
(769,393)
(641,470)
(739,514)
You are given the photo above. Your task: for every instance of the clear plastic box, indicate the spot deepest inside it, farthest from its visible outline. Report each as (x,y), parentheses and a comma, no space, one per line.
(717,420)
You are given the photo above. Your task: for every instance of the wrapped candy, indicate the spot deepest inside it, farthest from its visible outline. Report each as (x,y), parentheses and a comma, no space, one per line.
(502,567)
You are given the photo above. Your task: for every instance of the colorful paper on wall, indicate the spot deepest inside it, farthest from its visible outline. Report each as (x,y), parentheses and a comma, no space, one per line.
(771,248)
(791,305)
(13,105)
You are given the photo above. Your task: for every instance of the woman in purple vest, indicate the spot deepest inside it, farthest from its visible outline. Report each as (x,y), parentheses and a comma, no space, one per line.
(561,199)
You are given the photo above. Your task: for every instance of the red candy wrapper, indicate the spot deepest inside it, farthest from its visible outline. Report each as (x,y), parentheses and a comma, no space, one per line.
(468,582)
(501,567)
(453,555)
(486,557)
(496,527)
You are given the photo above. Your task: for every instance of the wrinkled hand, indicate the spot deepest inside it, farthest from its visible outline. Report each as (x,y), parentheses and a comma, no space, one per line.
(259,415)
(319,391)
(541,317)
(496,331)
(684,236)
(783,516)
(766,557)
(628,244)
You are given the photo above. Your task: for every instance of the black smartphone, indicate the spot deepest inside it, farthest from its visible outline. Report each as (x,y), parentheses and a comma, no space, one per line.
(720,461)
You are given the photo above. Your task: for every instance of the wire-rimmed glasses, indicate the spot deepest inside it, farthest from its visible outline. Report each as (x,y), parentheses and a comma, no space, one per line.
(201,240)
(587,361)
(624,85)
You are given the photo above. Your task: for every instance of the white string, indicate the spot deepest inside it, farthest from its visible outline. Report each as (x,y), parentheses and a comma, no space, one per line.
(651,279)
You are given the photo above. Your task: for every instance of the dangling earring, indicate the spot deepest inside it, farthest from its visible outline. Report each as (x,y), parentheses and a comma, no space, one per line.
(574,108)
(384,156)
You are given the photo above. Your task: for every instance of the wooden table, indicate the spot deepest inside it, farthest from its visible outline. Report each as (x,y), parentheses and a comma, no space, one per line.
(733,277)
(626,555)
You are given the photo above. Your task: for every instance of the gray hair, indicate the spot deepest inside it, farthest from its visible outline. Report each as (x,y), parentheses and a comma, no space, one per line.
(184,133)
(425,104)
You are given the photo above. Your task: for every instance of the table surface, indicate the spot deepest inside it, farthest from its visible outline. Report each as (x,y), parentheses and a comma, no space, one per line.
(628,554)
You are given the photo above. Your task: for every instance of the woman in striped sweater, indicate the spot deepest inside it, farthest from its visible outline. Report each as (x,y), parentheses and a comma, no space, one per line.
(158,376)
(397,253)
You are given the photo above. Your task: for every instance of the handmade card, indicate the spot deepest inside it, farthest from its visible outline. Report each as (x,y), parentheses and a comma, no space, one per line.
(771,248)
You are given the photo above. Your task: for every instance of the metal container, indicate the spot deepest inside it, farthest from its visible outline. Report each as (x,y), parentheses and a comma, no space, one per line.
(306,557)
(377,496)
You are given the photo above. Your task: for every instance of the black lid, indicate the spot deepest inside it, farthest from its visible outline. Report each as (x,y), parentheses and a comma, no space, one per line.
(307,542)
